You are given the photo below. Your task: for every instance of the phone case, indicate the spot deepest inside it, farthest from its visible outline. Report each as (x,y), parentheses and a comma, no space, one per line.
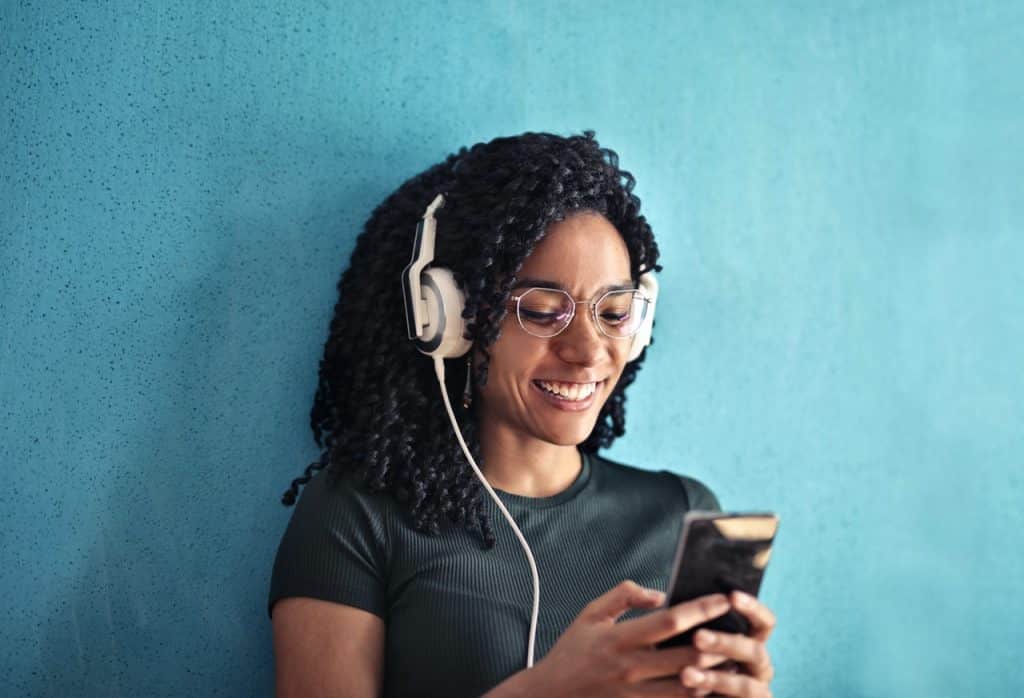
(720,552)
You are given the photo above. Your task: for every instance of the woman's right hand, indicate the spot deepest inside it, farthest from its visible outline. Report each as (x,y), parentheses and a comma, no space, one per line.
(598,657)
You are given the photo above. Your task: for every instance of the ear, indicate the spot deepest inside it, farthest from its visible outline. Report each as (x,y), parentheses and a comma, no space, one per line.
(443,333)
(649,285)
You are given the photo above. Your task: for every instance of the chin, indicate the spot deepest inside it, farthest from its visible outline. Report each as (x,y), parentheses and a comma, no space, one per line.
(569,437)
(562,441)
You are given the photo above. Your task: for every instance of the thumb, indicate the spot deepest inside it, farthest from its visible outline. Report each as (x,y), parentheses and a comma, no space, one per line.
(619,599)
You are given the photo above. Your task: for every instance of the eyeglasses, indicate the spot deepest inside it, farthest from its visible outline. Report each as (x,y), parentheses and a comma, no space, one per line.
(545,312)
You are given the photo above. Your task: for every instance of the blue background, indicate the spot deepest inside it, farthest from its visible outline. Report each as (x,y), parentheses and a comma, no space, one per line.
(837,194)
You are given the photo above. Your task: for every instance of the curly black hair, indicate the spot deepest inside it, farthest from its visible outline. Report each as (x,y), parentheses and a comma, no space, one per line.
(377,413)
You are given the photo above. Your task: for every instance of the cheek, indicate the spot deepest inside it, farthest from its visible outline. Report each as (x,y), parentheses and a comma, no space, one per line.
(513,361)
(619,360)
(513,346)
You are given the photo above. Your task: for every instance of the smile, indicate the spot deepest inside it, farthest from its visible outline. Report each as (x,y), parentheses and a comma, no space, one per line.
(569,397)
(574,392)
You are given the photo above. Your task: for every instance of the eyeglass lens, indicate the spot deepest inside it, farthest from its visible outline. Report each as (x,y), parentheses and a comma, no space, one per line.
(545,312)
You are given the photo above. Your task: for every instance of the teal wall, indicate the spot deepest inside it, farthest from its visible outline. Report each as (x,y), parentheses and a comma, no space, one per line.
(837,192)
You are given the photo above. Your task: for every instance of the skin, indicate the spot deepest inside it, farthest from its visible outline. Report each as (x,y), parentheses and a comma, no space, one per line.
(323,648)
(530,448)
(598,656)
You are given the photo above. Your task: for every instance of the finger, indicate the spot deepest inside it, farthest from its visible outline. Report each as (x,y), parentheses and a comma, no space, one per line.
(735,685)
(651,664)
(619,599)
(762,620)
(669,622)
(663,688)
(744,649)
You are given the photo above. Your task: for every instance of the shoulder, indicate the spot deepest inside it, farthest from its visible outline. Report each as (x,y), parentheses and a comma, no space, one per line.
(339,504)
(696,493)
(336,545)
(329,489)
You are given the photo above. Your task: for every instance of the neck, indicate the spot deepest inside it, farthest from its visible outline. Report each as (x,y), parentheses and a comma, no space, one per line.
(528,467)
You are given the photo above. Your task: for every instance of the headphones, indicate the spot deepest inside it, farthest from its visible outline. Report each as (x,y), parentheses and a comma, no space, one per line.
(434,302)
(434,322)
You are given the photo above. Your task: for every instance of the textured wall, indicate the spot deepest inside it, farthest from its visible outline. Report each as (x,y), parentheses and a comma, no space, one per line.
(837,194)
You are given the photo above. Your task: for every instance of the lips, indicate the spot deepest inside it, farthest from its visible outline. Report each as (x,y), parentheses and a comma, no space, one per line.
(570,400)
(566,390)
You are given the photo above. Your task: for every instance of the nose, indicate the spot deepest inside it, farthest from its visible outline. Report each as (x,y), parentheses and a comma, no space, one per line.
(581,342)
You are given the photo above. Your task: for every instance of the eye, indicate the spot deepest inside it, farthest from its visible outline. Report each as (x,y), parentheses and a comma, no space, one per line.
(615,318)
(538,317)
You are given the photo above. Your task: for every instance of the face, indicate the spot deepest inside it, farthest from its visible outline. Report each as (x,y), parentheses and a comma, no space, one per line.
(584,255)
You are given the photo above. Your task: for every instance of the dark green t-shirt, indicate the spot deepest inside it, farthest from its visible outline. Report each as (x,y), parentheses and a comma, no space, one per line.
(458,616)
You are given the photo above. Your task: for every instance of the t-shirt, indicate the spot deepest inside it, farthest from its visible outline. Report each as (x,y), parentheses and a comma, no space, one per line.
(458,615)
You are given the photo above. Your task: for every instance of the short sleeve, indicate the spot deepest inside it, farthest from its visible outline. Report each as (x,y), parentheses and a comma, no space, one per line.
(334,548)
(698,495)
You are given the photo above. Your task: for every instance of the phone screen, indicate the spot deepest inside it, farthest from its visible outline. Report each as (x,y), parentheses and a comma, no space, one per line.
(719,553)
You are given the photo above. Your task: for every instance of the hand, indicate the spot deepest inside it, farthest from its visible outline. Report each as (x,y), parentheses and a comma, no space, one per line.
(747,652)
(598,657)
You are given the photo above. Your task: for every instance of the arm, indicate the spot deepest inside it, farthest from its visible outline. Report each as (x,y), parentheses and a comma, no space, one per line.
(322,648)
(327,596)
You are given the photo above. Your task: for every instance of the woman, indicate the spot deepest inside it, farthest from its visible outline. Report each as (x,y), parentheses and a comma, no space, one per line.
(396,575)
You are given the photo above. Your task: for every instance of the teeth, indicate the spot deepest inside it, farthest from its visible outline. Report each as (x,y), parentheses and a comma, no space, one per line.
(569,391)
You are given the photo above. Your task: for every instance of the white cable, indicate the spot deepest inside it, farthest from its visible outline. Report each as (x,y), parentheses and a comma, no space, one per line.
(439,370)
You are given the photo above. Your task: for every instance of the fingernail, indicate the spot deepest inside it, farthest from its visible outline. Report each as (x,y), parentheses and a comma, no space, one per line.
(692,677)
(742,600)
(705,638)
(655,594)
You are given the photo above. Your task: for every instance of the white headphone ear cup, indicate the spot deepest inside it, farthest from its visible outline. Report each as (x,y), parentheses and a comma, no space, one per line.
(643,336)
(443,333)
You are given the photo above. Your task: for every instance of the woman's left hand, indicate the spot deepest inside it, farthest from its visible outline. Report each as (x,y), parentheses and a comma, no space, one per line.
(754,669)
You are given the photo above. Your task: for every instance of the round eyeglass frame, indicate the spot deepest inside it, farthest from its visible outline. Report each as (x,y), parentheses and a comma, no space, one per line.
(593,311)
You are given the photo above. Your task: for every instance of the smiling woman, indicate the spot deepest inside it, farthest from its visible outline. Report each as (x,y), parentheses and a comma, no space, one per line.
(544,394)
(391,577)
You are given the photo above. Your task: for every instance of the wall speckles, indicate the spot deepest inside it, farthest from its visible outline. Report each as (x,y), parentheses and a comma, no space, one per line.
(836,196)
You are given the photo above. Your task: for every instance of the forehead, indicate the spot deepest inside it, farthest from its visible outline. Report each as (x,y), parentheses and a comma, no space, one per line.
(582,250)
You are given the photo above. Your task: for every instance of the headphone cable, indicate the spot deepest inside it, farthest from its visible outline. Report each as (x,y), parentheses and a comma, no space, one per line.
(439,370)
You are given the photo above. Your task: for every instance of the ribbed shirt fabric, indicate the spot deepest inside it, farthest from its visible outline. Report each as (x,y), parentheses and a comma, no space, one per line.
(458,616)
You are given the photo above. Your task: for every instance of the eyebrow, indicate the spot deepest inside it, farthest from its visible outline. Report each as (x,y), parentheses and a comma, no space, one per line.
(544,283)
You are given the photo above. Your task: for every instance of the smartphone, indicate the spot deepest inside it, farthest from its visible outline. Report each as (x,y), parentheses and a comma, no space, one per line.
(718,553)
